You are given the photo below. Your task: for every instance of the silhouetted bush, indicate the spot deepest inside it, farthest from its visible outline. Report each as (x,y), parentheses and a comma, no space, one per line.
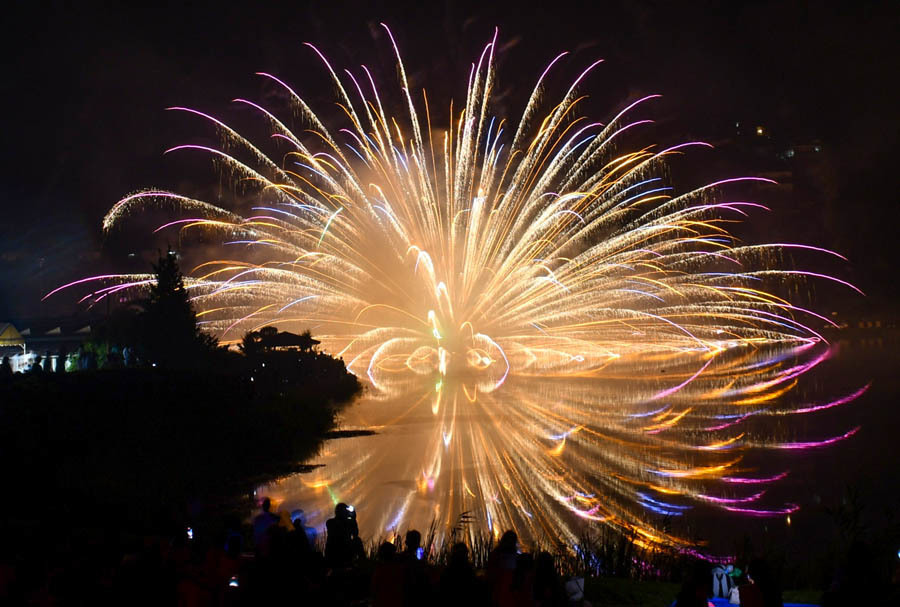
(143,437)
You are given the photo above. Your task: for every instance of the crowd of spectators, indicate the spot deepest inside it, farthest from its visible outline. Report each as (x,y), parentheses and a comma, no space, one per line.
(275,558)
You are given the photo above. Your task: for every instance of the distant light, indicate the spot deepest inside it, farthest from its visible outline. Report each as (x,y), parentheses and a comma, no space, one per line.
(760,130)
(818,148)
(789,153)
(788,519)
(737,125)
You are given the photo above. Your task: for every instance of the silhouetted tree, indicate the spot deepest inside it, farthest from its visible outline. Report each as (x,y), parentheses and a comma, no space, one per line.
(170,335)
(279,362)
(250,344)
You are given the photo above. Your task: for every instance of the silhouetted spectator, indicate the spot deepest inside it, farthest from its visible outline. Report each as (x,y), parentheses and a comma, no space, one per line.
(311,535)
(233,540)
(387,580)
(298,546)
(750,595)
(411,546)
(61,357)
(47,364)
(6,368)
(221,568)
(763,589)
(721,581)
(501,565)
(36,366)
(261,524)
(695,587)
(459,585)
(549,590)
(416,589)
(114,359)
(342,543)
(128,356)
(522,588)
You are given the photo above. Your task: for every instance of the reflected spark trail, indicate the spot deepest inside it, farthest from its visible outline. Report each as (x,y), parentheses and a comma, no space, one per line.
(475,266)
(551,455)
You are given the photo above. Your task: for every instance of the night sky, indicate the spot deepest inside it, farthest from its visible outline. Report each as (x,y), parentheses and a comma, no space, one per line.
(86,85)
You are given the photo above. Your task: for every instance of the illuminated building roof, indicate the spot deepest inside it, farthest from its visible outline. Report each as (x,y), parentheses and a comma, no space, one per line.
(9,336)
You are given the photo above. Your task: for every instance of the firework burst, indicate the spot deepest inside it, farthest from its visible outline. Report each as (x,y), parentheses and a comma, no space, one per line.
(466,269)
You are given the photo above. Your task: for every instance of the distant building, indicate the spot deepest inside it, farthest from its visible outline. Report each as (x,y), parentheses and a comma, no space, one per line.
(285,341)
(45,338)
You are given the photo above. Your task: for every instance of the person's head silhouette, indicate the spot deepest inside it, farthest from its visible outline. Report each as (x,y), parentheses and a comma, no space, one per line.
(459,555)
(386,552)
(413,540)
(509,542)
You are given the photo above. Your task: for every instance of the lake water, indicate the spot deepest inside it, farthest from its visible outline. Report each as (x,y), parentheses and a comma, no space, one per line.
(668,449)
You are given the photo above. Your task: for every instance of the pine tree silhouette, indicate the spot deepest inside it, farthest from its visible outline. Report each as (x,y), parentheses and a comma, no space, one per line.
(171,337)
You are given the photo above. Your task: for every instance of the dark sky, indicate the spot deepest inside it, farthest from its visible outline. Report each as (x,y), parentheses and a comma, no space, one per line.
(86,86)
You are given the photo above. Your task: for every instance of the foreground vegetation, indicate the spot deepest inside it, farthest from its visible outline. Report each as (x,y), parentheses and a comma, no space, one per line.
(149,438)
(156,415)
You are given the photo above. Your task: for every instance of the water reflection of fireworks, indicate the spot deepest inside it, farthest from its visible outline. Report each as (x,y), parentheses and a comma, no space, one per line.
(465,273)
(550,457)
